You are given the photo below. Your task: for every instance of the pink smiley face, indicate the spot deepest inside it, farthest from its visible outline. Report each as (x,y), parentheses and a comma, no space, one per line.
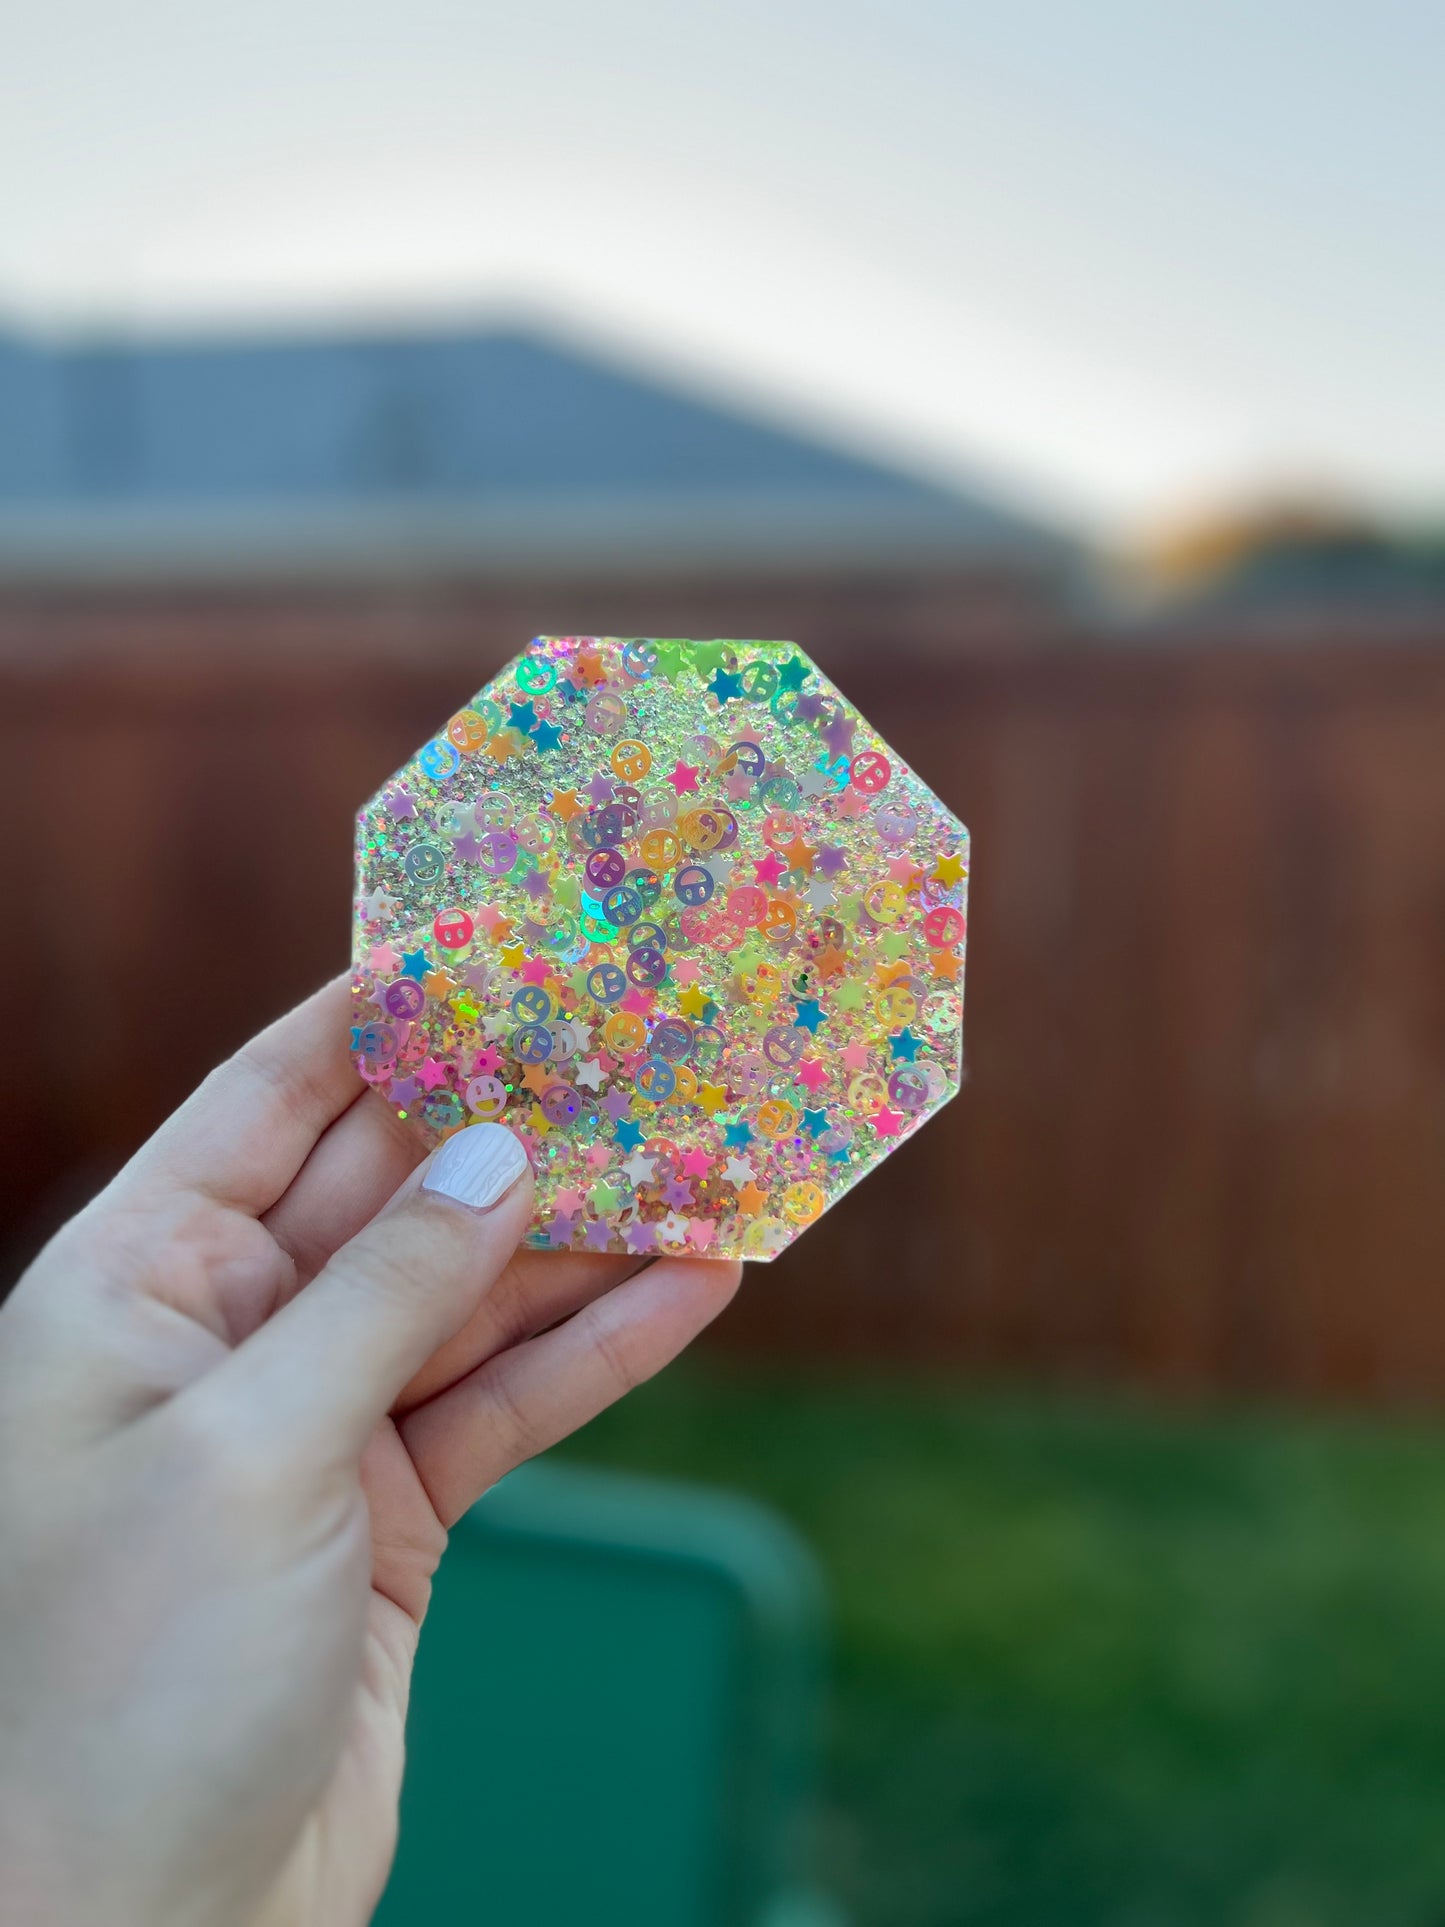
(453,929)
(762,951)
(944,927)
(486,1098)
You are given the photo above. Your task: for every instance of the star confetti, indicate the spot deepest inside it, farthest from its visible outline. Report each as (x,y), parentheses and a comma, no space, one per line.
(678,917)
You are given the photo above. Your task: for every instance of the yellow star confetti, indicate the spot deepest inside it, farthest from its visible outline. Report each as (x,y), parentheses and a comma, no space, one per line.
(678,917)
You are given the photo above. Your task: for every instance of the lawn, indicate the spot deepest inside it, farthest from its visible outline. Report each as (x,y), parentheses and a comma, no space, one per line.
(1097,1663)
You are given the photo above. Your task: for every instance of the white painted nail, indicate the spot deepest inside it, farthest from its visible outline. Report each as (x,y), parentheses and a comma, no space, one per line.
(477,1167)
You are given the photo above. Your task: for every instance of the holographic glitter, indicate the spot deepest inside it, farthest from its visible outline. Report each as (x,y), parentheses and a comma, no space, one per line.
(678,917)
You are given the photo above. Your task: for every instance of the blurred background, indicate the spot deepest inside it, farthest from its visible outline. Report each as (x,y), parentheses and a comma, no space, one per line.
(1066,381)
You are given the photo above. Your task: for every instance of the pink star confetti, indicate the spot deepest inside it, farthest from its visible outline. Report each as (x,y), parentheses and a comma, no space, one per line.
(680,919)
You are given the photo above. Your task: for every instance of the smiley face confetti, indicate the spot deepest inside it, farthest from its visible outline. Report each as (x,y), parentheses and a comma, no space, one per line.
(674,914)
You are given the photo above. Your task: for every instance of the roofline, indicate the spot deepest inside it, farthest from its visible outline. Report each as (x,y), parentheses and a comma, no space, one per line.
(505,536)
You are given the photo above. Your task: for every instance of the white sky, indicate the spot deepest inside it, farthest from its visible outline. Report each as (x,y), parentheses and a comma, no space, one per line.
(1122,255)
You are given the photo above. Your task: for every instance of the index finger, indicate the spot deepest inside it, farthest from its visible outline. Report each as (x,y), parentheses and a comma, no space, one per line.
(242,1136)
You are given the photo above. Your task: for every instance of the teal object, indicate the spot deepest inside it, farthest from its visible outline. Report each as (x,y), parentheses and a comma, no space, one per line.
(614,1714)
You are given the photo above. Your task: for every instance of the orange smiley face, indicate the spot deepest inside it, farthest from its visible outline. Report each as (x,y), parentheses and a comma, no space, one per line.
(776,1117)
(624,1032)
(631,760)
(661,849)
(468,731)
(803,1202)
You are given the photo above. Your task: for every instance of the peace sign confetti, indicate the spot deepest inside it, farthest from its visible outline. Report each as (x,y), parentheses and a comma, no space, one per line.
(676,915)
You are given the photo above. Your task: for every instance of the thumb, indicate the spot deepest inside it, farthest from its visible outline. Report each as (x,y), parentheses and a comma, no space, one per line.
(323,1372)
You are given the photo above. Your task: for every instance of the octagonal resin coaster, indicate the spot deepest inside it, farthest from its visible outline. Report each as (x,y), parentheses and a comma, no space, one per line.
(677,916)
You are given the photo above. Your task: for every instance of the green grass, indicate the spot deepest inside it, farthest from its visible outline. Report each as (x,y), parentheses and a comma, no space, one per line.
(1100,1664)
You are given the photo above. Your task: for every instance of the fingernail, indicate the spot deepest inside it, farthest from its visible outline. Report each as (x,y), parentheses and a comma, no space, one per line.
(477,1167)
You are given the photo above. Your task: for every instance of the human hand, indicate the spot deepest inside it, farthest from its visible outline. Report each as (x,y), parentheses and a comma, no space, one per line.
(238,1412)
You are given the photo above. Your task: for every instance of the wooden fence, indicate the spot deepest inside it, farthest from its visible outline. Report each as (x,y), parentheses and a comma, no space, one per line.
(1202,1139)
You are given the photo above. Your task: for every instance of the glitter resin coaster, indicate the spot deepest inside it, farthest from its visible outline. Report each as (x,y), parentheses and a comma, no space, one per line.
(677,916)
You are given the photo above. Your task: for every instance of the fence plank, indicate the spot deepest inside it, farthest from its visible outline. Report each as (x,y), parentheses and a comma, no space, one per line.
(1202,1141)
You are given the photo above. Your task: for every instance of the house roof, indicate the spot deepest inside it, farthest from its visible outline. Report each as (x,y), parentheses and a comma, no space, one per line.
(468,450)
